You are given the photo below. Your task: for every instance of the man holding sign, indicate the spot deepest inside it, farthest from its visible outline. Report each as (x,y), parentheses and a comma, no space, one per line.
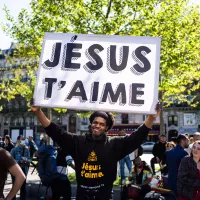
(98,72)
(96,155)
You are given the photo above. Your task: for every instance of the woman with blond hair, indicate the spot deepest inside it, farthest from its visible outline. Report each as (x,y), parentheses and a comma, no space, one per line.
(188,181)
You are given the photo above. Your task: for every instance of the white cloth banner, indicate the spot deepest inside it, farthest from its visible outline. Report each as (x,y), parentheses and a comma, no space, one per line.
(98,72)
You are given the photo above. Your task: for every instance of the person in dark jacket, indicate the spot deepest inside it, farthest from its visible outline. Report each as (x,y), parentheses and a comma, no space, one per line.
(173,159)
(95,154)
(188,180)
(9,144)
(158,152)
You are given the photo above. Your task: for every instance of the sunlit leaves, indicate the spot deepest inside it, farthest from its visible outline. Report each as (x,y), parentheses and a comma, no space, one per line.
(177,22)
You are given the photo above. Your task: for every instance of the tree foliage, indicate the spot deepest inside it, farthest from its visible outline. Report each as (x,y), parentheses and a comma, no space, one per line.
(177,22)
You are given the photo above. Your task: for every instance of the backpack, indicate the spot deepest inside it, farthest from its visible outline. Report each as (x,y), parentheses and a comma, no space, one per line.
(154,196)
(47,168)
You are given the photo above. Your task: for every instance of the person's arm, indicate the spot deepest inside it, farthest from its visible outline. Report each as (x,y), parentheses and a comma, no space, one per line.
(127,144)
(16,171)
(41,116)
(146,182)
(64,139)
(184,176)
(69,161)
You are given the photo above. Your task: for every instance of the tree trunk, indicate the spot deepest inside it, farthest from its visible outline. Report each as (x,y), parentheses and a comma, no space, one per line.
(162,128)
(162,125)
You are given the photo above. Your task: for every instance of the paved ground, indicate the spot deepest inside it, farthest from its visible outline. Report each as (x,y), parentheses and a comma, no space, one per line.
(33,182)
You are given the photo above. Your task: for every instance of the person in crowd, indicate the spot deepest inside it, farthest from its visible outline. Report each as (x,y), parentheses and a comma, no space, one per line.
(19,138)
(61,186)
(191,140)
(188,180)
(195,138)
(169,146)
(95,154)
(32,146)
(158,152)
(22,156)
(163,165)
(8,164)
(42,141)
(2,144)
(173,159)
(141,177)
(9,144)
(126,160)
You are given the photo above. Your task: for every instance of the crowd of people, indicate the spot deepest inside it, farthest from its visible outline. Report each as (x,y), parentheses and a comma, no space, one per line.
(179,164)
(16,158)
(96,156)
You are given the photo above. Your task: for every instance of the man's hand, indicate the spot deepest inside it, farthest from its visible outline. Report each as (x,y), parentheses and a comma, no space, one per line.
(150,118)
(40,115)
(34,108)
(158,109)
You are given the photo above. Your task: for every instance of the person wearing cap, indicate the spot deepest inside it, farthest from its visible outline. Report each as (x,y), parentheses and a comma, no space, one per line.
(173,160)
(95,154)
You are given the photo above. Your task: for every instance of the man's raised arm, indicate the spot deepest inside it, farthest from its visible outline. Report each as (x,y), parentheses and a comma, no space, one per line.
(64,139)
(40,115)
(131,142)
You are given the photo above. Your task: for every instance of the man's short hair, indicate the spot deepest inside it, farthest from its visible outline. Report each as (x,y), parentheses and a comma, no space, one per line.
(162,135)
(180,138)
(121,129)
(19,137)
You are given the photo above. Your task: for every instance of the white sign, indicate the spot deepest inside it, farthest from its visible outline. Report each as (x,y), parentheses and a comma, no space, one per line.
(189,119)
(99,72)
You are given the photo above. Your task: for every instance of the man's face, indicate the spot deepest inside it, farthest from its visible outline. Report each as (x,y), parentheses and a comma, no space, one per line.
(122,133)
(163,139)
(98,126)
(186,143)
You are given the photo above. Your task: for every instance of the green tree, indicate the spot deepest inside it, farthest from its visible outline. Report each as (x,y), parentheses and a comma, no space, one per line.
(177,22)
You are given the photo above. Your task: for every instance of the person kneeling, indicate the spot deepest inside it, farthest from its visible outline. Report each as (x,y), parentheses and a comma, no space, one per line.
(138,184)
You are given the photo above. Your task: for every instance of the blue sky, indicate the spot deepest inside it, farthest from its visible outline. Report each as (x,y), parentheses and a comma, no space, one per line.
(15,6)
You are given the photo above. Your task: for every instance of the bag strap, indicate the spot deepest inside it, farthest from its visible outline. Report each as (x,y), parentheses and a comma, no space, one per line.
(23,151)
